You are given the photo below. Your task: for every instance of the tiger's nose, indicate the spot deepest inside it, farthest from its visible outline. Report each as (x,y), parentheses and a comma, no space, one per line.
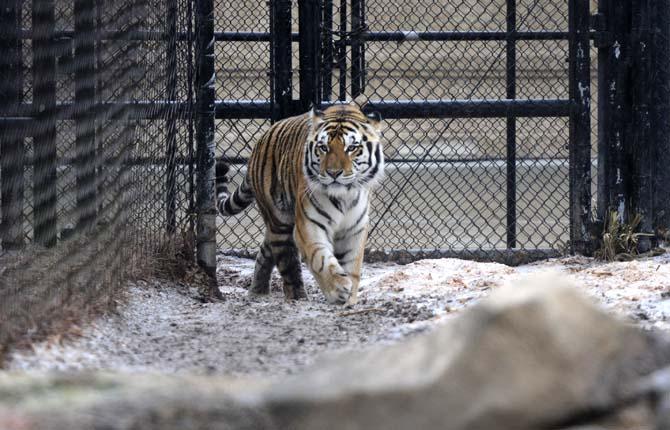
(334,173)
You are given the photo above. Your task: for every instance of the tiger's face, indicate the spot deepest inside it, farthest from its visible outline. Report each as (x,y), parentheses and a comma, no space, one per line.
(343,149)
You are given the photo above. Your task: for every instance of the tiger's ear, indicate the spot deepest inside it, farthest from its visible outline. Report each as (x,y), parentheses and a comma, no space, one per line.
(315,117)
(375,119)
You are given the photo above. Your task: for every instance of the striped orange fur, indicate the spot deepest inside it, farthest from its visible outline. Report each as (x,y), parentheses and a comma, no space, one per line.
(311,177)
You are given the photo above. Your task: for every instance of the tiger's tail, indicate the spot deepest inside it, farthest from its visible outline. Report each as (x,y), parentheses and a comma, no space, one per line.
(240,199)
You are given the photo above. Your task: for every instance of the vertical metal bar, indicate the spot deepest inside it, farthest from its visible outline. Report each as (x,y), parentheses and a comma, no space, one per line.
(205,147)
(605,96)
(309,18)
(641,126)
(281,58)
(191,116)
(12,150)
(658,115)
(100,83)
(85,120)
(613,110)
(342,51)
(580,127)
(327,43)
(358,27)
(44,140)
(170,120)
(511,123)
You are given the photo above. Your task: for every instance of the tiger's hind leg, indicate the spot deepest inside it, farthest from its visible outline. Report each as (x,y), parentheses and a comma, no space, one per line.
(263,270)
(287,258)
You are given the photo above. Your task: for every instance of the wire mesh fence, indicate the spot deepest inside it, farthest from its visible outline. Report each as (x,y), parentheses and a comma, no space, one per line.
(96,150)
(112,112)
(465,176)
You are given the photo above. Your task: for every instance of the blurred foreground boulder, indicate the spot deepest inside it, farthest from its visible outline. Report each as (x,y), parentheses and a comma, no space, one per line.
(531,356)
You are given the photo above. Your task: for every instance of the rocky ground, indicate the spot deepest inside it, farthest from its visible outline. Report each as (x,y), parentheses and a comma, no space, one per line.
(163,327)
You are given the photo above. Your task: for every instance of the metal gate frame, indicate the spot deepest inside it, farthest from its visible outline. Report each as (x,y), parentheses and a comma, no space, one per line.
(316,53)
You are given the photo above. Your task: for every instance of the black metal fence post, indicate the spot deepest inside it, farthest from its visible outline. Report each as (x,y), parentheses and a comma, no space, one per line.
(511,123)
(580,127)
(309,17)
(190,96)
(171,121)
(358,27)
(12,150)
(205,146)
(613,108)
(327,50)
(640,145)
(280,58)
(44,140)
(659,112)
(84,112)
(342,52)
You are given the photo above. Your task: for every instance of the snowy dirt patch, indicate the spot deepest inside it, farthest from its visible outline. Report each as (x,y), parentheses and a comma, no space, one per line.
(165,328)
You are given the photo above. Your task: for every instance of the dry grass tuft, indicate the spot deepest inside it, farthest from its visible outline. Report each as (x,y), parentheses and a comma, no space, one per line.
(620,240)
(173,259)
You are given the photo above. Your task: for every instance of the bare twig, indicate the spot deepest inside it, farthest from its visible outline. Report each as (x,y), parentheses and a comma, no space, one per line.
(359,311)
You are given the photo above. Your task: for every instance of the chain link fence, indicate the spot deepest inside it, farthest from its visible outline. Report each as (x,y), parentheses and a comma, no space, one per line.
(471,183)
(96,150)
(111,109)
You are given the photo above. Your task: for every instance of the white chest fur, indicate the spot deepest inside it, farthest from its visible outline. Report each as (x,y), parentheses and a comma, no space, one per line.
(339,212)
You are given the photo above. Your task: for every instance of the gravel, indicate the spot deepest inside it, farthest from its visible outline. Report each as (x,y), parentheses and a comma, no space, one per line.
(164,327)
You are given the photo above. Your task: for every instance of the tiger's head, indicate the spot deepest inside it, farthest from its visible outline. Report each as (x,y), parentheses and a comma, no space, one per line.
(343,149)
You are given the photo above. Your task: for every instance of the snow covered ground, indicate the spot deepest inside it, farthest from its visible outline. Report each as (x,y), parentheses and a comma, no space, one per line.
(163,327)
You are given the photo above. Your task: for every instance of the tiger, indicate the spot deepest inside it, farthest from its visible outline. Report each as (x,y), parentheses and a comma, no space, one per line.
(311,176)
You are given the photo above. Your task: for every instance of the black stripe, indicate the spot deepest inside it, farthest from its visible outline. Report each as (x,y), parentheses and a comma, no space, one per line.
(341,255)
(280,228)
(273,175)
(323,262)
(360,218)
(306,162)
(375,169)
(347,128)
(319,209)
(355,202)
(359,231)
(238,200)
(345,233)
(373,172)
(263,157)
(311,260)
(335,203)
(299,233)
(323,227)
(282,243)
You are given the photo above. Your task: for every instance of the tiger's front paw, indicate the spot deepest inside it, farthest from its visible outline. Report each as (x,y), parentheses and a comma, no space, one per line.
(340,290)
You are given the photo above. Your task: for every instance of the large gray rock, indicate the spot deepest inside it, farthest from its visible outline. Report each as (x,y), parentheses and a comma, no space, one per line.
(531,356)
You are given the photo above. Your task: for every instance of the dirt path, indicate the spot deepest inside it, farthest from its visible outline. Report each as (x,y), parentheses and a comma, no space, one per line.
(164,328)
